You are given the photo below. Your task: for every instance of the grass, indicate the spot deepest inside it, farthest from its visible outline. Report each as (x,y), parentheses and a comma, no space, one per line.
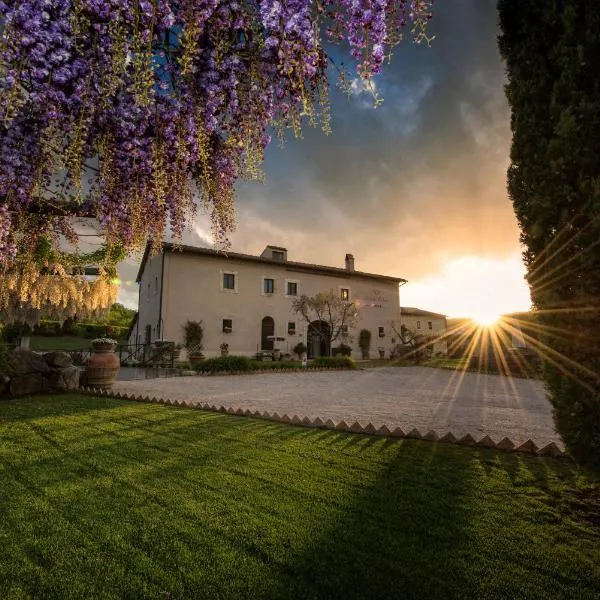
(104,498)
(65,342)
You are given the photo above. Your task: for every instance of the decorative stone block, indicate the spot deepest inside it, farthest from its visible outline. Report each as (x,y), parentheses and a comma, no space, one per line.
(528,447)
(356,427)
(222,409)
(370,429)
(550,449)
(296,420)
(240,412)
(231,410)
(397,432)
(383,430)
(329,424)
(505,444)
(275,417)
(256,414)
(317,422)
(268,416)
(467,440)
(342,426)
(415,434)
(431,436)
(286,419)
(30,383)
(486,442)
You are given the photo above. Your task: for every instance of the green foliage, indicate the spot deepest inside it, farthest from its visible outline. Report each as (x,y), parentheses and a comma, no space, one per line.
(341,350)
(551,51)
(11,332)
(334,362)
(364,341)
(6,366)
(120,315)
(193,333)
(225,363)
(300,348)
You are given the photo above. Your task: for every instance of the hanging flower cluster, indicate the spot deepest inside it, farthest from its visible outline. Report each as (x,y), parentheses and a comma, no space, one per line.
(128,110)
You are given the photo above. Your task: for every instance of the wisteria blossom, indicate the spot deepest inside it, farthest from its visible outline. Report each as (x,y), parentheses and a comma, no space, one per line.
(130,111)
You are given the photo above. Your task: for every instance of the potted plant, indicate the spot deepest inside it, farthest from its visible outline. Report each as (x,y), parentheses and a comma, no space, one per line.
(300,349)
(103,366)
(193,333)
(224,349)
(364,342)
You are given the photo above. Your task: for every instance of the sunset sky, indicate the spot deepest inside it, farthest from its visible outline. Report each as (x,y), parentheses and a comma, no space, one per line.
(415,188)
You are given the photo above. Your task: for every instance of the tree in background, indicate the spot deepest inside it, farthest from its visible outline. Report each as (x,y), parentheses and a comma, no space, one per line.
(330,309)
(551,51)
(127,111)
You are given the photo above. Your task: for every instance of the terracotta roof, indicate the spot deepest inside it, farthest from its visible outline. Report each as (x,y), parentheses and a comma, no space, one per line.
(411,311)
(290,265)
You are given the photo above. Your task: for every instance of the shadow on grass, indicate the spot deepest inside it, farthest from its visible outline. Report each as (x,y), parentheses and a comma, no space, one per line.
(161,502)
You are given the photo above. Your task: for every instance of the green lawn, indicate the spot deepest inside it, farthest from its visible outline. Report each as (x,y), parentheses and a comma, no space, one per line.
(65,342)
(101,498)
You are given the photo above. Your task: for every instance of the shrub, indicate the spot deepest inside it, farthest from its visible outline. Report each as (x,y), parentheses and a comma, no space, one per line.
(48,328)
(300,348)
(364,342)
(193,333)
(225,363)
(13,331)
(342,350)
(6,366)
(334,362)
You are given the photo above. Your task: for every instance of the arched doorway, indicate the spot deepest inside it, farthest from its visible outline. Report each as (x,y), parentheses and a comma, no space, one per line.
(267,330)
(317,339)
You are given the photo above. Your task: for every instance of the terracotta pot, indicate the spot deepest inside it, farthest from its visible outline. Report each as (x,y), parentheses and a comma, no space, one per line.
(103,367)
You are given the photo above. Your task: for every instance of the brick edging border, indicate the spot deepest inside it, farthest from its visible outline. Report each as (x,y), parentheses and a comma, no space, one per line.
(505,445)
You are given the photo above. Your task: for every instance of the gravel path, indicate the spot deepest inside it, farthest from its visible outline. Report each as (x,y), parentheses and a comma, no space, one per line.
(407,397)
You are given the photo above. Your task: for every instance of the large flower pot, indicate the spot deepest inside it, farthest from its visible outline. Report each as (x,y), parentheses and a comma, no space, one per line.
(103,367)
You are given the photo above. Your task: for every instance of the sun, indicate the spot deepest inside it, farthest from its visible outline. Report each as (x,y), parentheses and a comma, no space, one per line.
(486,319)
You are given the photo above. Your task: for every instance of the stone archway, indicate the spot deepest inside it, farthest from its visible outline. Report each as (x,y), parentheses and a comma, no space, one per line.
(317,339)
(267,330)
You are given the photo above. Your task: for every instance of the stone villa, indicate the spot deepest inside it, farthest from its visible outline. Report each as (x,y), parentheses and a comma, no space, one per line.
(246,301)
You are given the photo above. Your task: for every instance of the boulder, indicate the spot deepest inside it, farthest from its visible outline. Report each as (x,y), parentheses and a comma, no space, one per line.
(26,361)
(66,378)
(30,383)
(21,361)
(58,359)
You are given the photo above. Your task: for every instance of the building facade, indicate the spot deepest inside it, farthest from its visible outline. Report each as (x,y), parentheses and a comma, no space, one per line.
(246,301)
(432,326)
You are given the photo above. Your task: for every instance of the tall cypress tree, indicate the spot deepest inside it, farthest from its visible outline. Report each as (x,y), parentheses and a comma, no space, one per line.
(552,53)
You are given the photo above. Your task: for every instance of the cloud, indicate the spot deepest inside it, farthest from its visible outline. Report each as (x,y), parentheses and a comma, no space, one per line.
(410,186)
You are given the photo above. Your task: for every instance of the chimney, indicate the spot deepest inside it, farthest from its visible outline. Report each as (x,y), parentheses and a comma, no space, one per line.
(349,262)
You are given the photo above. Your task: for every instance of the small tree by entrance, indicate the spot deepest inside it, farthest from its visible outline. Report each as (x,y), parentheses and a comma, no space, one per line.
(328,315)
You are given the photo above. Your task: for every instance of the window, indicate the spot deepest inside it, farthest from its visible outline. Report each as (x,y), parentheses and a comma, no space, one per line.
(429,325)
(292,288)
(291,328)
(228,281)
(148,291)
(345,293)
(156,285)
(381,332)
(418,324)
(268,286)
(227,325)
(277,255)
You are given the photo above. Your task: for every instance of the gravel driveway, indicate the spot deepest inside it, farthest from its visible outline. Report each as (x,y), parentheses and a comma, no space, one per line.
(407,397)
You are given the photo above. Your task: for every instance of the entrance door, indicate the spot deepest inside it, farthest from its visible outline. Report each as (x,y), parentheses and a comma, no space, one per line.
(267,330)
(317,340)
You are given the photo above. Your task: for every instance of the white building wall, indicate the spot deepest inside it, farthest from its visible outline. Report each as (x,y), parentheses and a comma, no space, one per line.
(149,302)
(420,324)
(193,290)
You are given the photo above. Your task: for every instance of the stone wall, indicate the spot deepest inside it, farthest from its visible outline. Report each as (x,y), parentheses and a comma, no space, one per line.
(35,372)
